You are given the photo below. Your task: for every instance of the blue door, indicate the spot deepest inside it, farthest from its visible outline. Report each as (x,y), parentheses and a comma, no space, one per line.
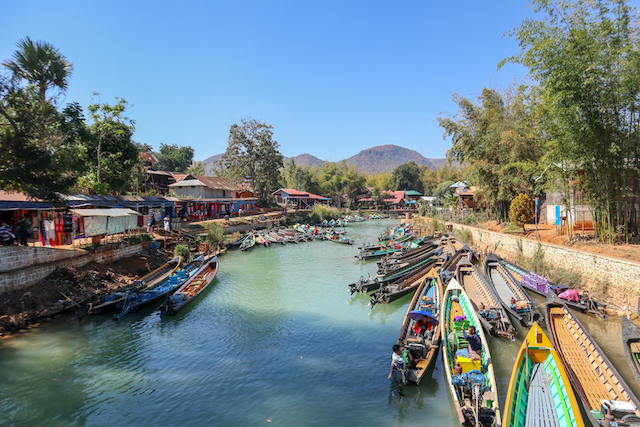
(557,215)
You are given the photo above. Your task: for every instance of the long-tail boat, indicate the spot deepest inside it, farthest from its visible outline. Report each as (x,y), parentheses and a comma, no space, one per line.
(248,242)
(190,289)
(514,298)
(603,392)
(493,316)
(540,392)
(111,301)
(159,290)
(427,300)
(473,389)
(631,343)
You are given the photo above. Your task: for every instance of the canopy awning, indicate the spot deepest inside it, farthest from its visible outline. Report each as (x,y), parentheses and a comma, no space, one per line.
(105,212)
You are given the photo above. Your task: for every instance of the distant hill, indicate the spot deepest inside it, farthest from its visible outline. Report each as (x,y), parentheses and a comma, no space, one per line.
(383,158)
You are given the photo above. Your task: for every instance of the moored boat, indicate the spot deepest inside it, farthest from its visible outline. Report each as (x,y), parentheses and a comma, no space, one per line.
(631,343)
(540,393)
(193,287)
(473,390)
(493,316)
(248,242)
(425,303)
(595,380)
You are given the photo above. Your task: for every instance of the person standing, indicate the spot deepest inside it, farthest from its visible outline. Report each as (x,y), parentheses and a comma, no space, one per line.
(150,225)
(25,229)
(167,224)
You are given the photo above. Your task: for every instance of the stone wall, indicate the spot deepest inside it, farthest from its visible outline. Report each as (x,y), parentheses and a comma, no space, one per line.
(622,277)
(24,266)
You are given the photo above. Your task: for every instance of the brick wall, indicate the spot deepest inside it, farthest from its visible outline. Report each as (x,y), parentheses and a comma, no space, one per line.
(623,276)
(24,266)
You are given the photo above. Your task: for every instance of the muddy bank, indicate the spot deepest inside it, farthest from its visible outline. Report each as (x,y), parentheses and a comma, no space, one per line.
(66,290)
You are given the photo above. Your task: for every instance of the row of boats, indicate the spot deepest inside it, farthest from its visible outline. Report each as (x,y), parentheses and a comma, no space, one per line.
(299,233)
(551,373)
(173,284)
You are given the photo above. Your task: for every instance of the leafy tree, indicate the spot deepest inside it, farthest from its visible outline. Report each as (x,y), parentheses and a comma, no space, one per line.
(521,210)
(184,252)
(338,181)
(586,56)
(383,181)
(252,152)
(111,153)
(500,141)
(174,158)
(215,233)
(296,177)
(407,177)
(41,64)
(197,169)
(144,148)
(443,190)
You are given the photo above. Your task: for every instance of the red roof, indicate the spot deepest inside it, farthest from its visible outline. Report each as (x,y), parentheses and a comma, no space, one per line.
(148,157)
(16,197)
(291,192)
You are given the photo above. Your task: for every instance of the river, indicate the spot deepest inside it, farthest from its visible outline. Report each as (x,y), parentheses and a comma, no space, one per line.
(276,339)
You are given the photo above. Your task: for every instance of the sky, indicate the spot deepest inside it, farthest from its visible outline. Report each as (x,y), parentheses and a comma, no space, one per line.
(332,77)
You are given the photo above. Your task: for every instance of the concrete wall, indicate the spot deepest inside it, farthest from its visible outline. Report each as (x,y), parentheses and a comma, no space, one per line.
(24,266)
(623,277)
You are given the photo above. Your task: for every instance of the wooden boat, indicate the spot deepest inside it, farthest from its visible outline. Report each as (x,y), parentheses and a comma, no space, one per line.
(514,298)
(261,240)
(631,343)
(474,392)
(540,393)
(343,240)
(391,291)
(493,316)
(111,301)
(237,243)
(427,298)
(594,378)
(159,290)
(248,242)
(193,287)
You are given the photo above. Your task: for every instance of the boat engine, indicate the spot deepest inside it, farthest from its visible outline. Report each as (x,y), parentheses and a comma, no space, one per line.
(468,380)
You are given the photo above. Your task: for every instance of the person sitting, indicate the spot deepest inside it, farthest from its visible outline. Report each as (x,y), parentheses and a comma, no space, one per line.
(397,360)
(475,344)
(423,328)
(6,236)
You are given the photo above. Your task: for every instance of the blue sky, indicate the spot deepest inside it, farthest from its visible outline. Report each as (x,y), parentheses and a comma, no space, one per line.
(331,77)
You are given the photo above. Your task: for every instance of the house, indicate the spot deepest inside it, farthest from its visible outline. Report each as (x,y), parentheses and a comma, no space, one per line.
(299,199)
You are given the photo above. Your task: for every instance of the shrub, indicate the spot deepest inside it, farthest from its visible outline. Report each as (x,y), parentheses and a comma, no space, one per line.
(215,234)
(183,251)
(521,210)
(464,236)
(326,212)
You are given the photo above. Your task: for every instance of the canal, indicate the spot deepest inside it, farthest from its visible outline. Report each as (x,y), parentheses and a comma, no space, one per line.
(275,340)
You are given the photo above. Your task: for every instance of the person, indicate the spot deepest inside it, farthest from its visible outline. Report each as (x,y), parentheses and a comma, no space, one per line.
(240,212)
(167,224)
(423,327)
(475,344)
(396,357)
(25,229)
(457,369)
(150,225)
(6,236)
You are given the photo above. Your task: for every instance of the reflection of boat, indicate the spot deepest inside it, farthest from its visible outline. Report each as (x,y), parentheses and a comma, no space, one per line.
(427,300)
(631,342)
(161,289)
(594,378)
(114,299)
(248,242)
(539,386)
(474,391)
(492,315)
(190,289)
(514,299)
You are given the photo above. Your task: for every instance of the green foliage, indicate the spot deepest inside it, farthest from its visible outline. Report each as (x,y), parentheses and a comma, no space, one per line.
(434,225)
(215,233)
(296,177)
(174,158)
(586,56)
(407,177)
(464,236)
(443,190)
(326,212)
(183,251)
(521,210)
(338,181)
(252,152)
(197,169)
(382,181)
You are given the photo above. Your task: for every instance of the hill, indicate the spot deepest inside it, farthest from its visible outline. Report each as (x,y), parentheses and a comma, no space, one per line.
(382,158)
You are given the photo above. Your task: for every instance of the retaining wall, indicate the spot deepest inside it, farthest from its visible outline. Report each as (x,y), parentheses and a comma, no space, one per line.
(22,266)
(622,275)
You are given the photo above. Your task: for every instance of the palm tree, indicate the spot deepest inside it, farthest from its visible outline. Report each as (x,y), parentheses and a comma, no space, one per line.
(41,64)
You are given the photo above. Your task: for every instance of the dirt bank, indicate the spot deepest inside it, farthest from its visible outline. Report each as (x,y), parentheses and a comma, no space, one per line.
(67,289)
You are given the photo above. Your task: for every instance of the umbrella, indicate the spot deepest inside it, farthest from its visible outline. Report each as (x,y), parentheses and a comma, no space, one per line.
(417,314)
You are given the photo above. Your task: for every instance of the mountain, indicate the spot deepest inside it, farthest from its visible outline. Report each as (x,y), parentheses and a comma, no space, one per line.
(383,158)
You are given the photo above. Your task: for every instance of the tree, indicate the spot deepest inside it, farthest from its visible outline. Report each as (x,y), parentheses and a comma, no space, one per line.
(111,154)
(521,210)
(215,234)
(41,64)
(296,177)
(586,56)
(501,142)
(197,169)
(253,153)
(407,177)
(174,158)
(444,190)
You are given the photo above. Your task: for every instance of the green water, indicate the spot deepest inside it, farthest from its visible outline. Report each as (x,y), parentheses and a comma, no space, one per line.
(276,337)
